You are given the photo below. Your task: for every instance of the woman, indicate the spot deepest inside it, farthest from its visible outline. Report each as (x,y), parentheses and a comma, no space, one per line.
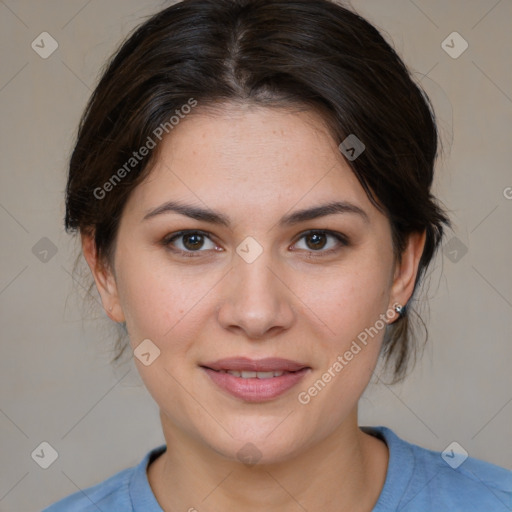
(252,186)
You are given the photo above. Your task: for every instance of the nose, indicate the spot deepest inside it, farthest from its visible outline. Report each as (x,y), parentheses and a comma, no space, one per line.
(257,302)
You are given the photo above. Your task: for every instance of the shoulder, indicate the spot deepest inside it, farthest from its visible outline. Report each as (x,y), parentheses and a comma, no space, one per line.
(420,479)
(110,494)
(472,485)
(127,490)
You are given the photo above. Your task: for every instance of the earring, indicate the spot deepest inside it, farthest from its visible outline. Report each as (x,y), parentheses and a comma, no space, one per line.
(110,308)
(399,309)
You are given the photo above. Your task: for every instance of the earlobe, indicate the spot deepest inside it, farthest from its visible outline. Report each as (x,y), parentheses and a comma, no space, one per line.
(407,269)
(104,279)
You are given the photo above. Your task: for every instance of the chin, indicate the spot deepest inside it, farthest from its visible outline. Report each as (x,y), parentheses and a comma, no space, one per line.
(257,441)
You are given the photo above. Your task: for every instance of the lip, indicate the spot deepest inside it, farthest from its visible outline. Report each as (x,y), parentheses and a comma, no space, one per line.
(255,389)
(269,364)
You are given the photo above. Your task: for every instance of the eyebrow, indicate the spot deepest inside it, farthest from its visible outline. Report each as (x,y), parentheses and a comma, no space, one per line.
(206,215)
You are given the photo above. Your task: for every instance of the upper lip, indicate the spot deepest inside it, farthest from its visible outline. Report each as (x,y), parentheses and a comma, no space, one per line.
(269,364)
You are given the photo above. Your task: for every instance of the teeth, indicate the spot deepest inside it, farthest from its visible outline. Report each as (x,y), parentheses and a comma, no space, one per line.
(264,375)
(253,375)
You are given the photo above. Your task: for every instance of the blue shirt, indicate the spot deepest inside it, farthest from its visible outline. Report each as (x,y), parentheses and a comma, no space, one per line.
(417,480)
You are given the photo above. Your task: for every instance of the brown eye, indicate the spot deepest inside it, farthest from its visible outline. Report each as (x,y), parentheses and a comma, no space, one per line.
(316,241)
(193,241)
(189,242)
(321,241)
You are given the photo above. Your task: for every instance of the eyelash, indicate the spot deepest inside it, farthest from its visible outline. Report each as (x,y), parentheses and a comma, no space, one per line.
(340,238)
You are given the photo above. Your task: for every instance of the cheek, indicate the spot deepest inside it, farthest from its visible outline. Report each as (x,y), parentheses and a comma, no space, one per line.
(351,304)
(158,300)
(168,306)
(348,300)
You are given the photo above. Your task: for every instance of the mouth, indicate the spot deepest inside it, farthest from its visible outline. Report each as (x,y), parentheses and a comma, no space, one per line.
(252,375)
(255,380)
(245,364)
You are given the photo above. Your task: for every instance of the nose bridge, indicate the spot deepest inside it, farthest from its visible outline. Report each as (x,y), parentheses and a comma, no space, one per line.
(252,264)
(257,301)
(255,279)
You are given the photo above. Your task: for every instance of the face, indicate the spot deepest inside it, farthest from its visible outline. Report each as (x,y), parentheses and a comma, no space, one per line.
(246,262)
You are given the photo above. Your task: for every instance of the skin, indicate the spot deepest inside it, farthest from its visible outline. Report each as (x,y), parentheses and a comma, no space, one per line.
(255,165)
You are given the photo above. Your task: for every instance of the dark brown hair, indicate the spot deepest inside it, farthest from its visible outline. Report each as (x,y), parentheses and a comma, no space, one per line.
(275,53)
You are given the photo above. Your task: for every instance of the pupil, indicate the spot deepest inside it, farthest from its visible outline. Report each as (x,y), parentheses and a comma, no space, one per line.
(318,241)
(193,241)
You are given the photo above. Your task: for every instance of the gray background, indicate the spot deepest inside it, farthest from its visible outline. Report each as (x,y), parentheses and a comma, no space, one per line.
(56,384)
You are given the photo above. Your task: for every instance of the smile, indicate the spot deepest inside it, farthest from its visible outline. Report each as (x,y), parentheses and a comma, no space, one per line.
(253,375)
(255,380)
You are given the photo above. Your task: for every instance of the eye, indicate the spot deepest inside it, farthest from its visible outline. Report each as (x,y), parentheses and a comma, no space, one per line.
(322,241)
(189,242)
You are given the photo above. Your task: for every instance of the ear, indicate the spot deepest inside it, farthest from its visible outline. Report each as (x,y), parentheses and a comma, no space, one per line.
(406,269)
(104,279)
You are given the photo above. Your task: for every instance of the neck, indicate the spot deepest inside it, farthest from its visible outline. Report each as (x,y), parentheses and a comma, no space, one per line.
(344,472)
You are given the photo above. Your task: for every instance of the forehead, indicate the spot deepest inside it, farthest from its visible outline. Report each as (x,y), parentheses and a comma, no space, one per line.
(249,157)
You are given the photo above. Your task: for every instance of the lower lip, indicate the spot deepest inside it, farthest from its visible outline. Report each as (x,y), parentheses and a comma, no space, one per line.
(254,389)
